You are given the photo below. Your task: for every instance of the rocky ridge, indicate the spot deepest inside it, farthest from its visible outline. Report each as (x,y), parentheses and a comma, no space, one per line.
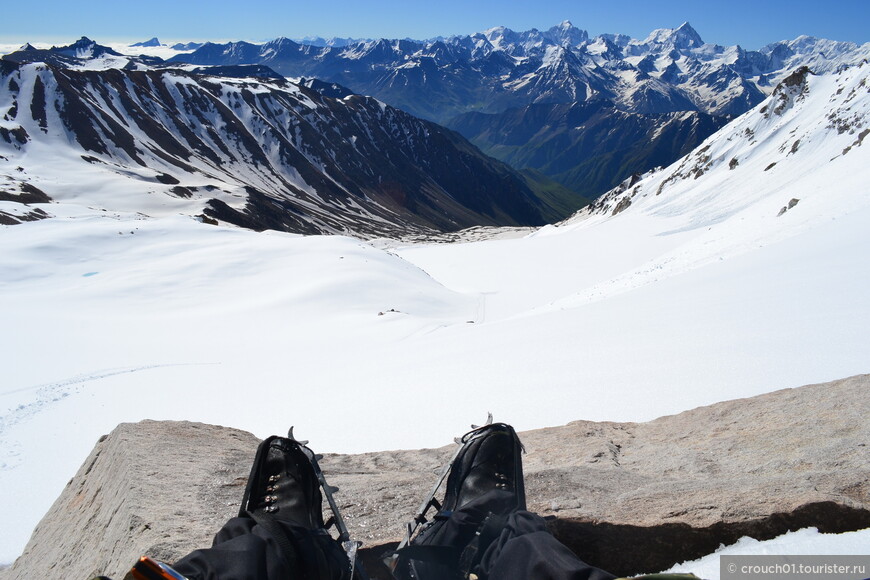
(257,152)
(629,497)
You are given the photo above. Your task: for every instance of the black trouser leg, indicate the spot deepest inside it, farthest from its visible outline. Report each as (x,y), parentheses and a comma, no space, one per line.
(244,550)
(241,550)
(526,549)
(514,546)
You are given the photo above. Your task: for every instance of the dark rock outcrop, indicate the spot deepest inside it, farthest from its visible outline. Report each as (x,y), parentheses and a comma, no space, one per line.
(629,497)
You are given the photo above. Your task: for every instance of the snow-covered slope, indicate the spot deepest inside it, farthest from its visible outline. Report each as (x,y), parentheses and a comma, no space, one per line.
(794,163)
(697,291)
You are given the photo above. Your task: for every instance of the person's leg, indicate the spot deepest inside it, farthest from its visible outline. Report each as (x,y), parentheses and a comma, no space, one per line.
(279,533)
(483,529)
(485,479)
(245,550)
(242,550)
(526,549)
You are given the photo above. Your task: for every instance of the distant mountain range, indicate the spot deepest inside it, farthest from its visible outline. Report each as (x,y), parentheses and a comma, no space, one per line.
(221,132)
(671,70)
(232,144)
(153,42)
(512,75)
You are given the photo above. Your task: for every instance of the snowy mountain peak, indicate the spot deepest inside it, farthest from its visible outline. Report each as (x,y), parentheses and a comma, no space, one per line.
(804,44)
(185,46)
(684,37)
(502,38)
(319,41)
(688,36)
(274,47)
(567,34)
(85,48)
(556,56)
(532,42)
(82,45)
(148,43)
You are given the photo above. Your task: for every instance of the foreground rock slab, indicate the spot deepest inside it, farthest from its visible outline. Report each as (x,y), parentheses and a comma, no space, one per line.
(629,497)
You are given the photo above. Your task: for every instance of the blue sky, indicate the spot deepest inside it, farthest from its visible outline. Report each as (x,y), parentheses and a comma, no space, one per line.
(751,24)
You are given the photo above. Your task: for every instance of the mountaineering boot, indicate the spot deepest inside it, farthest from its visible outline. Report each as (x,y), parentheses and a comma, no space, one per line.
(484,486)
(279,532)
(490,460)
(284,497)
(283,485)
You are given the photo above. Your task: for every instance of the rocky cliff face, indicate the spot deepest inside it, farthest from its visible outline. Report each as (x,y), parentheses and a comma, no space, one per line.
(625,496)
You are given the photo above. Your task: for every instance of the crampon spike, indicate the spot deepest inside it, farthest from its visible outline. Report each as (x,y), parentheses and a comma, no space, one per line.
(350,546)
(430,501)
(292,437)
(488,422)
